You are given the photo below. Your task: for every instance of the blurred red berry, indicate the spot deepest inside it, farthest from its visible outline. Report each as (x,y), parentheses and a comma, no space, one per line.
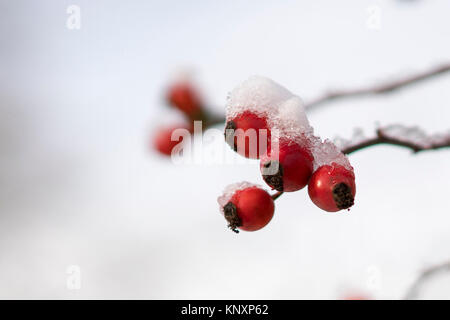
(357,296)
(288,168)
(244,133)
(162,141)
(249,209)
(184,96)
(332,187)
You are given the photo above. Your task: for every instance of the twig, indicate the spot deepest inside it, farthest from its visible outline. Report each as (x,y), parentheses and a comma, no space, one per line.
(382,137)
(426,275)
(378,88)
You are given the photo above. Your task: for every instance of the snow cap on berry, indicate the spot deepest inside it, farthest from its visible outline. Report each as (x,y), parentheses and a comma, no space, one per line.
(231,189)
(283,110)
(291,121)
(259,95)
(286,118)
(326,153)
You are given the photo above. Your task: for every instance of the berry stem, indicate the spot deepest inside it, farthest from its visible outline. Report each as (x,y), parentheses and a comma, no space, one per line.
(276,195)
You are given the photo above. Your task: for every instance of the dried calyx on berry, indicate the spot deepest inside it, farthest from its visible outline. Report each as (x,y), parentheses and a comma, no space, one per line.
(342,196)
(229,134)
(230,214)
(272,173)
(246,206)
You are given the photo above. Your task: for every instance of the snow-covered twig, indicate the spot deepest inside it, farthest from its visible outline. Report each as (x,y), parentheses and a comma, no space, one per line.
(424,276)
(412,138)
(380,88)
(398,135)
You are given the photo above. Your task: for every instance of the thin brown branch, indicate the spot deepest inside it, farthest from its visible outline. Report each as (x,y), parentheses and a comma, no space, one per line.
(380,88)
(214,120)
(382,137)
(424,276)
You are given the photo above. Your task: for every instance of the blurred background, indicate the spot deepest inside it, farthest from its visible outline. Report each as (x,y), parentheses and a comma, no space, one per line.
(89,210)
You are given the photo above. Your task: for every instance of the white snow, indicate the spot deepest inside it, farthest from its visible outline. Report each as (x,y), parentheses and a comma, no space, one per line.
(231,189)
(326,153)
(408,134)
(257,94)
(286,117)
(415,135)
(357,137)
(264,97)
(291,121)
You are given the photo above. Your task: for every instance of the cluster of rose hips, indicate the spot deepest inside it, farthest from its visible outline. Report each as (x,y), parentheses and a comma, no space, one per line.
(248,207)
(184,97)
(286,166)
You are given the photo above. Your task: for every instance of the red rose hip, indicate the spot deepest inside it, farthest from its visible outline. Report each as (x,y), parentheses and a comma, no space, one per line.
(249,209)
(332,187)
(162,140)
(248,134)
(184,97)
(287,168)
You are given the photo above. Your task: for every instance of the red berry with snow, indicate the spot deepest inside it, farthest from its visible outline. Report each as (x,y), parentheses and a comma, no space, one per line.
(288,167)
(248,134)
(184,96)
(162,140)
(332,187)
(249,209)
